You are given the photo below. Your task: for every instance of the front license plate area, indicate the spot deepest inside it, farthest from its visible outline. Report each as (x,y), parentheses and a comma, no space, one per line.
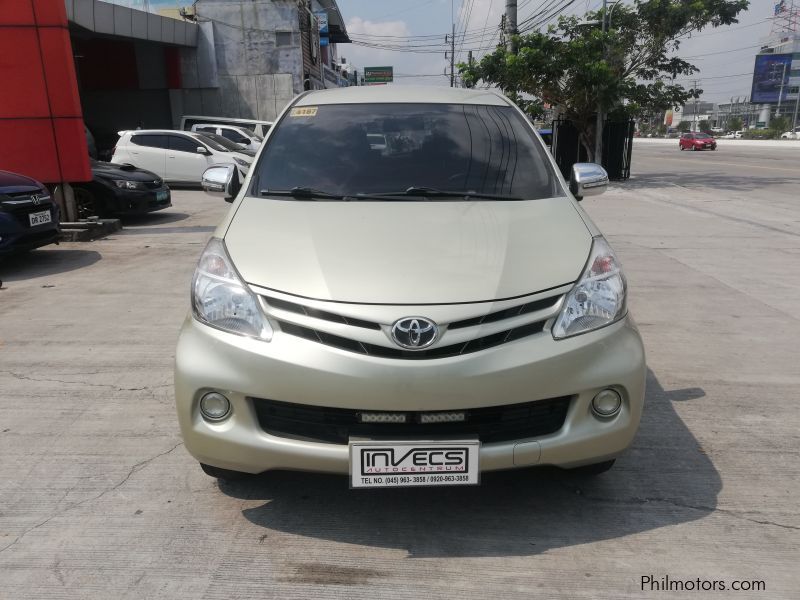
(403,463)
(39,218)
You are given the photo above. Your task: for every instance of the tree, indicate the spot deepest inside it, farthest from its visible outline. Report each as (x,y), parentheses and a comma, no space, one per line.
(703,125)
(778,125)
(624,71)
(684,126)
(734,124)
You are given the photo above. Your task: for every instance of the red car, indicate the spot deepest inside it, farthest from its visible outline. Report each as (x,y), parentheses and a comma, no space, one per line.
(697,141)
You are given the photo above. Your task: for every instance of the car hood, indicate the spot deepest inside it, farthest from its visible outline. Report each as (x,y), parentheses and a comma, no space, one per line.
(122,171)
(13,183)
(408,252)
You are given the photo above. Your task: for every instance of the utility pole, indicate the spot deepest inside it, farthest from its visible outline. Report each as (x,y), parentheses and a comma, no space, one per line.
(511,24)
(453,57)
(794,119)
(780,94)
(598,142)
(694,120)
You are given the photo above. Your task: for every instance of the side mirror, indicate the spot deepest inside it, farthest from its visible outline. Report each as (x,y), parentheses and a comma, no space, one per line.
(222,180)
(587,179)
(202,150)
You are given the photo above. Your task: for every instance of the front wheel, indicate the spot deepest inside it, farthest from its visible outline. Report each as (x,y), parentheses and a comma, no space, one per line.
(223,474)
(694,148)
(86,204)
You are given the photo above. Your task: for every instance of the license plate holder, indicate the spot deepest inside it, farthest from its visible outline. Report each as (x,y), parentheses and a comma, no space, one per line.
(414,463)
(40,218)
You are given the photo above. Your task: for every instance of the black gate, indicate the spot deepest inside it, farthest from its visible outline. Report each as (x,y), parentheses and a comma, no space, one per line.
(617,147)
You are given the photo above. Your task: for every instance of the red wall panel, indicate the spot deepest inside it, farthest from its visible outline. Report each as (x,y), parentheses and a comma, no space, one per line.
(23,92)
(41,124)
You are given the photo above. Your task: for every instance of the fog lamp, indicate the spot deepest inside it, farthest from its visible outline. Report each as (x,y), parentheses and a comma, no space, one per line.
(214,406)
(606,403)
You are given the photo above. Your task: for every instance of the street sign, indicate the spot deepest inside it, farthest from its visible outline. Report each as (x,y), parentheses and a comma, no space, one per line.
(378,74)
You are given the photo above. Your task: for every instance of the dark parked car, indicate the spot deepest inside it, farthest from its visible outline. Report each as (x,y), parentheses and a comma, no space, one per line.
(120,190)
(28,216)
(697,141)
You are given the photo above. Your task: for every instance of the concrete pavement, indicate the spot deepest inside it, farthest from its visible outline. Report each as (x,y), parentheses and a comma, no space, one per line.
(99,500)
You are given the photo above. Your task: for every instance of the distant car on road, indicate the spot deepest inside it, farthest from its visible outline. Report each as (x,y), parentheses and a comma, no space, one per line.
(28,216)
(178,156)
(238,135)
(697,141)
(733,135)
(120,190)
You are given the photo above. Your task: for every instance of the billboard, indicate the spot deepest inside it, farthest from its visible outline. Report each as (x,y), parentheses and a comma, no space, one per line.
(771,72)
(378,74)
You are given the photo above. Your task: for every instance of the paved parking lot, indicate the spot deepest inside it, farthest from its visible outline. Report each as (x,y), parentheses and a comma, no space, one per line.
(98,499)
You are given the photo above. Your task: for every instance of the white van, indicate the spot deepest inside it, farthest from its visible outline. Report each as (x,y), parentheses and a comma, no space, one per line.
(245,138)
(260,128)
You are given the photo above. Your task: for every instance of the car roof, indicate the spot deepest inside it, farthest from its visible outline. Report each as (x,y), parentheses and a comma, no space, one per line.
(159,131)
(382,94)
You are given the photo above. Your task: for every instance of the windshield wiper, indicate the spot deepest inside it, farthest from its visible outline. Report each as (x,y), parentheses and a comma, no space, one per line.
(429,192)
(304,193)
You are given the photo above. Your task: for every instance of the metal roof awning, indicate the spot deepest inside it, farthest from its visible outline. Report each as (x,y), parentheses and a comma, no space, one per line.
(337,33)
(112,19)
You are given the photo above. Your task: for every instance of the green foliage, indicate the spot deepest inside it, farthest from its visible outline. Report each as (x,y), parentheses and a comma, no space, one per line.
(684,126)
(779,125)
(704,125)
(735,124)
(626,70)
(662,130)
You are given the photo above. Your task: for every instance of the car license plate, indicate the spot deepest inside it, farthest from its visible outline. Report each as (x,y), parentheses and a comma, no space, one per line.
(39,218)
(381,464)
(162,195)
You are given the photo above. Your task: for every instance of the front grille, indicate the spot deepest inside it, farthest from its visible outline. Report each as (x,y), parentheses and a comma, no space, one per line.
(319,314)
(336,425)
(507,313)
(468,347)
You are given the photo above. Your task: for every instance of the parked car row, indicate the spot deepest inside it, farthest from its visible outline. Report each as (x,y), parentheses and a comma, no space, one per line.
(134,182)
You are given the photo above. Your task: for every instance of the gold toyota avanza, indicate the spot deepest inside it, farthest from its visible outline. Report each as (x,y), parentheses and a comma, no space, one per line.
(413,312)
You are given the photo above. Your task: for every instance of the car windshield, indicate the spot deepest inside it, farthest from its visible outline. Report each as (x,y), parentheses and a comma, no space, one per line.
(219,143)
(416,150)
(702,136)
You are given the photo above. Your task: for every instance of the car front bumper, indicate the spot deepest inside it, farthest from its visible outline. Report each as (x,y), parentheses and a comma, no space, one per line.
(295,370)
(17,236)
(135,202)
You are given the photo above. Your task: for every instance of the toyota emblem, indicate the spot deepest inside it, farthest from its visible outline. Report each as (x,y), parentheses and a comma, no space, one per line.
(414,333)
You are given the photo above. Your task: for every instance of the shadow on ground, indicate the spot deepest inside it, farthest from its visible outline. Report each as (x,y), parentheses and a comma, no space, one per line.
(664,479)
(45,261)
(713,181)
(153,218)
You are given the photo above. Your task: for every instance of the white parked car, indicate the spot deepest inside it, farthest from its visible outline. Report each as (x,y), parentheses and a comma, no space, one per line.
(791,134)
(238,135)
(733,135)
(260,128)
(178,156)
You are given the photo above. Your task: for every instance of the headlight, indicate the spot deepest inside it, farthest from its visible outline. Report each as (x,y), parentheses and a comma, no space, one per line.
(221,299)
(598,298)
(241,163)
(129,185)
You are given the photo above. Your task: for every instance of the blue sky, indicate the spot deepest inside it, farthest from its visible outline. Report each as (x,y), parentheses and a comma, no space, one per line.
(719,53)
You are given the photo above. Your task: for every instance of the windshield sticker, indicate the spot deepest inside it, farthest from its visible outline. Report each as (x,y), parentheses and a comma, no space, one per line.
(304,111)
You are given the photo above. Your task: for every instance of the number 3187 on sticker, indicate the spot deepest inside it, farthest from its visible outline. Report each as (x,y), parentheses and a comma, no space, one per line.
(303,111)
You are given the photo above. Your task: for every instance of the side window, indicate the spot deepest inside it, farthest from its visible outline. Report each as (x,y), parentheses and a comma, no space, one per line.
(234,136)
(149,140)
(207,129)
(183,144)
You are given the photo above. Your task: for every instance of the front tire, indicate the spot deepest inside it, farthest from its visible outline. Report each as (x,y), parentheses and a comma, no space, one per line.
(86,203)
(223,474)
